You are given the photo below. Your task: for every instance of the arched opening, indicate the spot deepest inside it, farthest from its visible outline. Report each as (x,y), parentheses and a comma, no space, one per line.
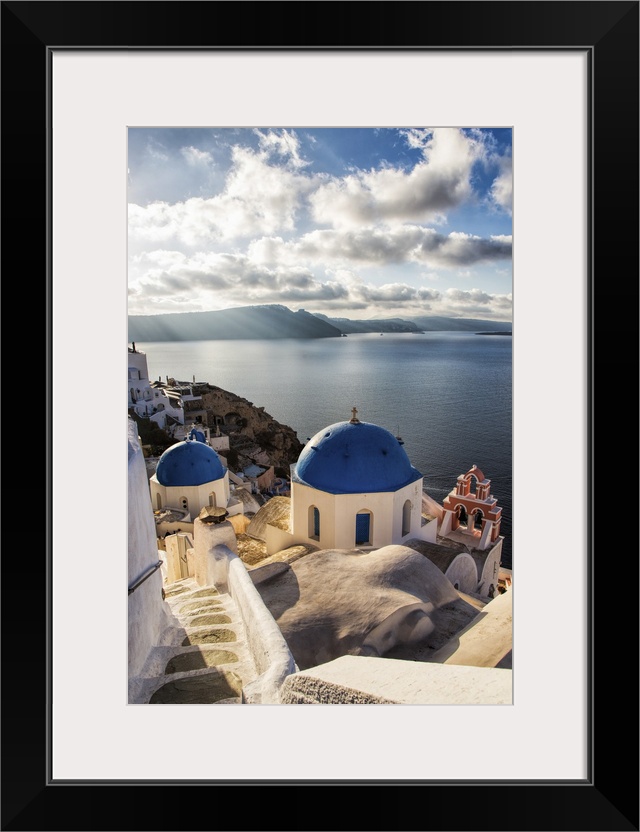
(314,523)
(478,517)
(364,528)
(158,501)
(461,514)
(406,518)
(212,499)
(184,503)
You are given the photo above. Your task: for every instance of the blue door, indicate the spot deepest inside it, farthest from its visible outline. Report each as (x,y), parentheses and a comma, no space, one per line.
(316,522)
(362,528)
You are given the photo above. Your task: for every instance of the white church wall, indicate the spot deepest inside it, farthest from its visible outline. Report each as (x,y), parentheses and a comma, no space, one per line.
(379,505)
(412,493)
(491,570)
(196,496)
(302,498)
(147,613)
(463,573)
(218,487)
(338,516)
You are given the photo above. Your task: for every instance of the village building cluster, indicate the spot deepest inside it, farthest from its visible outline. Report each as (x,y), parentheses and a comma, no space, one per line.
(357,562)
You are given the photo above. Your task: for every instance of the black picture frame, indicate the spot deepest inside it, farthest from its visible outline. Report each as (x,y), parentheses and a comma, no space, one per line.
(608,798)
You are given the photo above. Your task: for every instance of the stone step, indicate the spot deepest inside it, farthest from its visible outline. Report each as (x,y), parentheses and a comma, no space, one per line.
(205,658)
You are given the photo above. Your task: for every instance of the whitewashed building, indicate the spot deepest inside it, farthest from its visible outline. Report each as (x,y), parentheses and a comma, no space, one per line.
(354,486)
(148,399)
(189,476)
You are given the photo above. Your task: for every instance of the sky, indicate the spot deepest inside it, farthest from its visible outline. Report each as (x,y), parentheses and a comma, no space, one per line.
(348,222)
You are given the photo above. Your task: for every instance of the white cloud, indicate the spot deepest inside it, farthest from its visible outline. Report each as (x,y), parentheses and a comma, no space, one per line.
(156,150)
(283,143)
(196,158)
(375,246)
(251,241)
(258,198)
(501,192)
(208,280)
(476,303)
(438,183)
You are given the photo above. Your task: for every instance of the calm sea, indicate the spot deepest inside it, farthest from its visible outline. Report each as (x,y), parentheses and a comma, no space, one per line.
(447,394)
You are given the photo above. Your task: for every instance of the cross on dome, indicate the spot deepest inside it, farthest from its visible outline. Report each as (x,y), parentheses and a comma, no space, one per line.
(354,418)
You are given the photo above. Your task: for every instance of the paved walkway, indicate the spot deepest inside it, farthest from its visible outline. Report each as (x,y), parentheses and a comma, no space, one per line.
(205,658)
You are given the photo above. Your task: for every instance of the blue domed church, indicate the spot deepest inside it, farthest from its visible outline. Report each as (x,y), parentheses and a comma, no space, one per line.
(354,486)
(189,476)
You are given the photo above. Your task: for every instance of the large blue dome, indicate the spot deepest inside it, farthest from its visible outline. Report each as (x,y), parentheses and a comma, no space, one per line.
(354,458)
(189,463)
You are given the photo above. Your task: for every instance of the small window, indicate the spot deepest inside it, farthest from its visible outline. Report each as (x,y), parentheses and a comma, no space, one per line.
(314,523)
(406,518)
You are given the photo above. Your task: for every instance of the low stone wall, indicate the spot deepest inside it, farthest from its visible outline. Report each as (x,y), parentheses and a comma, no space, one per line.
(373,681)
(217,563)
(267,644)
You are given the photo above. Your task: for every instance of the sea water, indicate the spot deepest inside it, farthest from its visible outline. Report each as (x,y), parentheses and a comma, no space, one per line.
(447,394)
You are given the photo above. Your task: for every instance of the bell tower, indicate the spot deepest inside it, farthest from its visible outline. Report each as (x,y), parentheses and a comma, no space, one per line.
(479,509)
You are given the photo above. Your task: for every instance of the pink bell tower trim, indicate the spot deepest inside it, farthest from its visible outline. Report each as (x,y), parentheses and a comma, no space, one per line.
(477,506)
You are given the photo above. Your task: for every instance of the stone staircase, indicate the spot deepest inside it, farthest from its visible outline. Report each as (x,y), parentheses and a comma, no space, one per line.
(205,658)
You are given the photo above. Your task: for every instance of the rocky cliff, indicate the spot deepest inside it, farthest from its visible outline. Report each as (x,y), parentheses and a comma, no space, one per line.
(254,435)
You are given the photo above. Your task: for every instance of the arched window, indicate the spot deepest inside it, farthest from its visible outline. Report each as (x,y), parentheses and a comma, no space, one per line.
(184,503)
(462,514)
(158,501)
(406,518)
(314,523)
(212,499)
(364,528)
(477,519)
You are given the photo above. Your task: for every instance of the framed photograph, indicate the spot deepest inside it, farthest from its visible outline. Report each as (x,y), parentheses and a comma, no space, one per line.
(562,79)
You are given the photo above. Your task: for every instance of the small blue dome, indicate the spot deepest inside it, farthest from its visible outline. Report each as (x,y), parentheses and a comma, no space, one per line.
(354,458)
(189,463)
(198,435)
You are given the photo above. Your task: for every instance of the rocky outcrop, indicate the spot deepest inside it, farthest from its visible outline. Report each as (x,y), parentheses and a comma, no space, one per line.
(254,435)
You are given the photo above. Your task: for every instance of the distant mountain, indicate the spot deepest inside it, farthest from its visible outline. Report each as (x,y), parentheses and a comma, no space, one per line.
(277,321)
(245,322)
(348,325)
(438,323)
(424,323)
